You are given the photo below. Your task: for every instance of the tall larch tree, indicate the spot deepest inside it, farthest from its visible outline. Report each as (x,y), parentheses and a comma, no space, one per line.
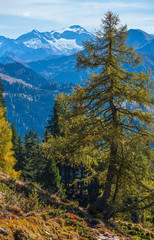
(115,99)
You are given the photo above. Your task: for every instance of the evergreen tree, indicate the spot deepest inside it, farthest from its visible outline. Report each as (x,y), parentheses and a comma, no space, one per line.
(18,148)
(48,175)
(2,99)
(115,101)
(19,154)
(47,135)
(53,123)
(52,165)
(60,149)
(37,167)
(32,155)
(14,138)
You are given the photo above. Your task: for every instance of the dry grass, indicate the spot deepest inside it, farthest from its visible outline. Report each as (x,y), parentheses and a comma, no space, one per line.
(28,213)
(35,227)
(22,216)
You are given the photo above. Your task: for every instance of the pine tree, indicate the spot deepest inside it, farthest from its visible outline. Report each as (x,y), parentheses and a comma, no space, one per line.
(48,175)
(19,154)
(18,148)
(53,123)
(2,99)
(115,98)
(32,155)
(37,167)
(14,138)
(52,166)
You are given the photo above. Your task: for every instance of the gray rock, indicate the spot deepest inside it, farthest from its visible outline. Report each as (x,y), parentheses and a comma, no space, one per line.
(116,238)
(49,235)
(107,237)
(3,231)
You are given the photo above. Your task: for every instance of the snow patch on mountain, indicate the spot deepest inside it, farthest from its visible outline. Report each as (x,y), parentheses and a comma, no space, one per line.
(35,43)
(75,28)
(65,45)
(57,45)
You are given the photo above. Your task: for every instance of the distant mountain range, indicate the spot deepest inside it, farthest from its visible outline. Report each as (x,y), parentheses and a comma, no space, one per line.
(139,38)
(36,66)
(35,45)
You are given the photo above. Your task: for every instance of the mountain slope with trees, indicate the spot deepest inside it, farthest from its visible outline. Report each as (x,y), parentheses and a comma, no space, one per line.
(27,94)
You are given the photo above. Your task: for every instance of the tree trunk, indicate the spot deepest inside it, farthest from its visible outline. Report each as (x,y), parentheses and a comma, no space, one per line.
(102,202)
(81,185)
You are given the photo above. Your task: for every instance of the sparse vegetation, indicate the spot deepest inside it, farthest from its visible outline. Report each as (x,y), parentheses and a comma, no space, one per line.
(25,216)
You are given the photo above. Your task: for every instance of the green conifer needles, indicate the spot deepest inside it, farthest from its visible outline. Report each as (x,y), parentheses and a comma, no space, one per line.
(109,114)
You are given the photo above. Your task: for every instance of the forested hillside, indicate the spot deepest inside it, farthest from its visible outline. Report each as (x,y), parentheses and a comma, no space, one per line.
(27,94)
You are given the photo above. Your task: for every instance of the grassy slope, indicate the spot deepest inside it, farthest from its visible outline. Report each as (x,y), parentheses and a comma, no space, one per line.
(28,212)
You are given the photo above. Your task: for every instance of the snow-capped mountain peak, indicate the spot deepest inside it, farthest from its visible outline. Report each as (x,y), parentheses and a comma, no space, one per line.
(36,45)
(43,44)
(35,31)
(30,35)
(78,29)
(74,29)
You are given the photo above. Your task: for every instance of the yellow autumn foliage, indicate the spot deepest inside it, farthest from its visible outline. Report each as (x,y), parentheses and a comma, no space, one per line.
(7,160)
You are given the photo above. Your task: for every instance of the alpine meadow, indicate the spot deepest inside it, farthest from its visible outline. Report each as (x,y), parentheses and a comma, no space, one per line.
(91,174)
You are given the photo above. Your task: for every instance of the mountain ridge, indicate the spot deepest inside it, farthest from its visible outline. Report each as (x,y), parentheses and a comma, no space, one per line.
(40,45)
(18,70)
(50,74)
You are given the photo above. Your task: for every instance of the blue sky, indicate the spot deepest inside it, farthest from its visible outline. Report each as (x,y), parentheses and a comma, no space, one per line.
(21,16)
